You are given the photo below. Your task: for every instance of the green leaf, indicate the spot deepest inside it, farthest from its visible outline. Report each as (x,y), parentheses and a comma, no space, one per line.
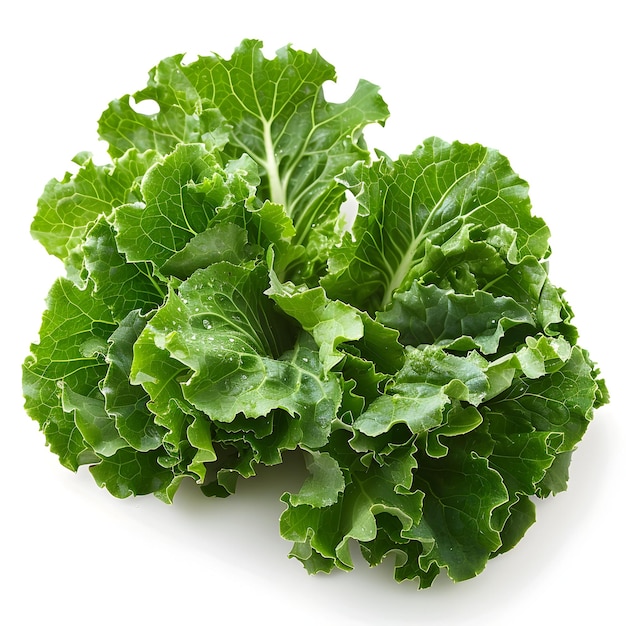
(330,322)
(277,114)
(181,195)
(430,315)
(69,358)
(333,323)
(132,473)
(559,403)
(323,486)
(429,381)
(68,207)
(181,117)
(243,356)
(322,534)
(459,420)
(522,460)
(108,269)
(422,199)
(161,377)
(521,516)
(125,402)
(461,494)
(221,242)
(94,423)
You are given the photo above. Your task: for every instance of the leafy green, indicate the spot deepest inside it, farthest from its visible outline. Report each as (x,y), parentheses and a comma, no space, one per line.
(434,198)
(221,309)
(275,112)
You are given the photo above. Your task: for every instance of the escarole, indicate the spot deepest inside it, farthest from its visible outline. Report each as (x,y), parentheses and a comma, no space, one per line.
(220,310)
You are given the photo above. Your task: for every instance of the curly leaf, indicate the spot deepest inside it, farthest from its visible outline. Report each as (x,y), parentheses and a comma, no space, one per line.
(277,114)
(69,359)
(68,207)
(422,199)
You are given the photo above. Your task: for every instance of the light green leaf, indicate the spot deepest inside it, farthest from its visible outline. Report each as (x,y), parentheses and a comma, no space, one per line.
(181,115)
(94,423)
(161,377)
(429,381)
(330,322)
(68,207)
(323,486)
(459,420)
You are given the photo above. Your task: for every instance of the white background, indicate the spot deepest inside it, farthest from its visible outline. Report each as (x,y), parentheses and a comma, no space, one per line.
(540,81)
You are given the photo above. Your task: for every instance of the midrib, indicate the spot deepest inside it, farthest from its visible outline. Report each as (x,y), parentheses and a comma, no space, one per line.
(407,260)
(401,271)
(277,190)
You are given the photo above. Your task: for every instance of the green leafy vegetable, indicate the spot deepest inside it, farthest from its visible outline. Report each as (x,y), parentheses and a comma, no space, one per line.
(221,309)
